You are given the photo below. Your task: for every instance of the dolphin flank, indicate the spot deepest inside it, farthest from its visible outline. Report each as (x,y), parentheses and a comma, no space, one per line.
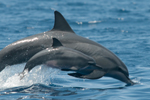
(66,59)
(22,50)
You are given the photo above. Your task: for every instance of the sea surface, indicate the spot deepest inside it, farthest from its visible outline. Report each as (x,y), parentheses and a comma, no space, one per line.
(122,26)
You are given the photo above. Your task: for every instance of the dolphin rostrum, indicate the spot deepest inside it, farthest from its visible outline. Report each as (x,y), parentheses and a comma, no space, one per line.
(22,50)
(66,59)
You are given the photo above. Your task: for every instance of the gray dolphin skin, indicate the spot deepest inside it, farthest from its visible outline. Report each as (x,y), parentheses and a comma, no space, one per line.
(66,59)
(22,50)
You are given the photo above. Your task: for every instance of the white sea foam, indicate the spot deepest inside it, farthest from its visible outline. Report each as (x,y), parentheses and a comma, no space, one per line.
(92,22)
(9,77)
(137,81)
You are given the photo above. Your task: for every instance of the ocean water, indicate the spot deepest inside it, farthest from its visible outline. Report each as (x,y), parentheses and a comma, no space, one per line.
(122,26)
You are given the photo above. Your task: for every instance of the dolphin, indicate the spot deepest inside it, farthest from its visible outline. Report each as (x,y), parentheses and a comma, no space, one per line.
(22,50)
(66,59)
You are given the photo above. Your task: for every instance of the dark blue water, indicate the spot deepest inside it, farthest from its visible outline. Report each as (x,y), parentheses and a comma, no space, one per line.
(122,26)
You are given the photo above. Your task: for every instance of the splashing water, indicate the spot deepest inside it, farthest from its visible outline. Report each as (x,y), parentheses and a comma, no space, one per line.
(10,77)
(40,74)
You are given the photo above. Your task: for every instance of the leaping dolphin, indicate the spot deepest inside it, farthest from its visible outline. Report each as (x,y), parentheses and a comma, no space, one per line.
(22,50)
(66,59)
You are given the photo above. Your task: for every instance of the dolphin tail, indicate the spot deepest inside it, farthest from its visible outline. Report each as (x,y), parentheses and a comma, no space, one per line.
(22,74)
(95,74)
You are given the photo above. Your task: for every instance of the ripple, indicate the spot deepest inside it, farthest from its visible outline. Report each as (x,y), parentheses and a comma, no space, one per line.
(123,11)
(93,22)
(2,5)
(126,11)
(88,22)
(76,4)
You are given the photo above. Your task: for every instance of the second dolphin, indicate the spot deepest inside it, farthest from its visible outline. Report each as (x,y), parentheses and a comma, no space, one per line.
(66,59)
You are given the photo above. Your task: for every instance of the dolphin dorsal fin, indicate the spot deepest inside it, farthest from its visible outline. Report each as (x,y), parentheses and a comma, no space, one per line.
(56,43)
(61,24)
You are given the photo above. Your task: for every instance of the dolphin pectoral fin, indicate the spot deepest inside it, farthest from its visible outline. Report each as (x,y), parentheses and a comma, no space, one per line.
(88,69)
(78,75)
(120,76)
(93,75)
(61,24)
(98,66)
(95,65)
